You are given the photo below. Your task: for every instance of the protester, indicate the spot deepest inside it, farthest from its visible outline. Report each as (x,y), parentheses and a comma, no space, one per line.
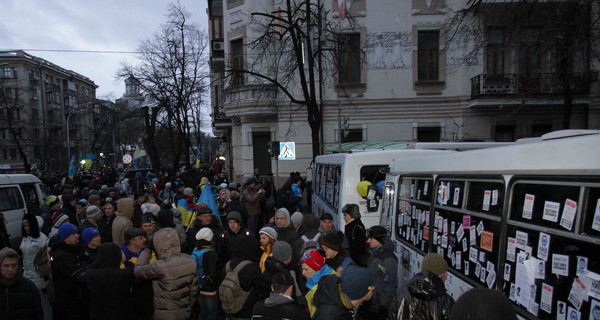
(106,221)
(383,264)
(19,297)
(355,234)
(280,304)
(206,262)
(335,256)
(267,237)
(483,304)
(123,221)
(313,269)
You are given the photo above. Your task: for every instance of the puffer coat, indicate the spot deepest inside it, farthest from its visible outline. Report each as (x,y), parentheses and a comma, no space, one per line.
(428,299)
(123,221)
(174,273)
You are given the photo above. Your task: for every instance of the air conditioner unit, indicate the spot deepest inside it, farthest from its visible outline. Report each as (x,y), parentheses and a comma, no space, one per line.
(218,46)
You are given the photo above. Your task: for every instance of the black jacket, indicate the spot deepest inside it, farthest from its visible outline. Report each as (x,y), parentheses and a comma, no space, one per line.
(190,235)
(278,307)
(19,299)
(357,239)
(338,260)
(109,287)
(105,228)
(427,298)
(69,292)
(328,301)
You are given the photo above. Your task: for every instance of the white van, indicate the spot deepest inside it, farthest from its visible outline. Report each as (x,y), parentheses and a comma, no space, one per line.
(20,194)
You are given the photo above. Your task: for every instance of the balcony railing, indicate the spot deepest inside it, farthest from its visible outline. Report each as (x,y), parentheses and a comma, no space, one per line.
(250,100)
(528,85)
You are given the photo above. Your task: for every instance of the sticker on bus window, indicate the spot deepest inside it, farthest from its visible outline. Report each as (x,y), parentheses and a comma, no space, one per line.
(464,244)
(546,300)
(582,264)
(445,227)
(596,223)
(487,241)
(533,308)
(561,310)
(480,227)
(560,264)
(487,197)
(528,206)
(543,246)
(511,296)
(458,257)
(466,222)
(466,268)
(495,197)
(473,254)
(452,227)
(578,292)
(551,210)
(477,269)
(511,249)
(568,214)
(482,274)
(594,309)
(472,236)
(425,187)
(573,314)
(507,268)
(456,196)
(460,232)
(522,239)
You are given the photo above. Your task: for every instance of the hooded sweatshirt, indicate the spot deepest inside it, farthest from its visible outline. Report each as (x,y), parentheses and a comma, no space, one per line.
(286,233)
(278,306)
(175,276)
(123,221)
(109,286)
(19,297)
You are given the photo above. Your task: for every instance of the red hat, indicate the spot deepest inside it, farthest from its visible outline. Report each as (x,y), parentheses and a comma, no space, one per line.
(314,260)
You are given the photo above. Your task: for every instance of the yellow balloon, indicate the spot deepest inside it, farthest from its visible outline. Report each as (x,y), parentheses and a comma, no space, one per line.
(363,187)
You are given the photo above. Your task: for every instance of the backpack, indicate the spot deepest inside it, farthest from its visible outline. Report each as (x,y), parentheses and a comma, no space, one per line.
(231,294)
(197,255)
(310,244)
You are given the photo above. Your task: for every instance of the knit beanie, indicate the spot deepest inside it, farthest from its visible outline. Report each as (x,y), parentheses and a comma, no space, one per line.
(132,233)
(52,200)
(313,259)
(378,233)
(269,232)
(205,234)
(283,213)
(148,218)
(234,215)
(297,218)
(58,219)
(435,263)
(66,230)
(282,251)
(92,211)
(332,241)
(165,219)
(188,192)
(152,208)
(483,304)
(93,198)
(88,234)
(356,281)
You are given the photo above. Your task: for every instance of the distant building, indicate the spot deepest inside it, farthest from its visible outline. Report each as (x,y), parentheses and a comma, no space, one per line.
(42,96)
(395,80)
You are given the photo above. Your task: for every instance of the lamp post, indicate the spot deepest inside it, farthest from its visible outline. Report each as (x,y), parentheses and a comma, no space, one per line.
(72,112)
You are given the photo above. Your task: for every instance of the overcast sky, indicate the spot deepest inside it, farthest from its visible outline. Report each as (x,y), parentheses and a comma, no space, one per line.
(99,25)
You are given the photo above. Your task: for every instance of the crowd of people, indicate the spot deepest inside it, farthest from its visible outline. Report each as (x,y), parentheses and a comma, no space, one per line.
(105,248)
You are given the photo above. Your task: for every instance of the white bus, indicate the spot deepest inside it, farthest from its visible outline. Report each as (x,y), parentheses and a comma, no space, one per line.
(523,219)
(336,176)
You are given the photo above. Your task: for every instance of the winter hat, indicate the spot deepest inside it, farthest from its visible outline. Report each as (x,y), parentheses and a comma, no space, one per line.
(356,281)
(313,259)
(88,234)
(152,208)
(132,233)
(188,192)
(66,230)
(326,216)
(297,218)
(202,208)
(269,232)
(165,219)
(483,304)
(51,200)
(223,185)
(58,219)
(283,213)
(352,210)
(93,198)
(168,184)
(148,218)
(331,241)
(435,263)
(378,233)
(234,215)
(205,234)
(92,211)
(282,251)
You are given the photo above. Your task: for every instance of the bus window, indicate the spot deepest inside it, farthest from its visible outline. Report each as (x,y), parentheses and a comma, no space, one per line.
(10,199)
(591,225)
(486,197)
(451,193)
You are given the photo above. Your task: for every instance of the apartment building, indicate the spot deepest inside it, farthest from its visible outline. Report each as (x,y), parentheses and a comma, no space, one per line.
(40,102)
(401,71)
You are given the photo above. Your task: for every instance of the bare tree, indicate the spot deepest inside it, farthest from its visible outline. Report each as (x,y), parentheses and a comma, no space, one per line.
(295,46)
(16,118)
(559,38)
(172,77)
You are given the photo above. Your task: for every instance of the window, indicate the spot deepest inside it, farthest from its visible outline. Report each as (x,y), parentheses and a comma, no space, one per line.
(495,51)
(9,73)
(217,19)
(10,199)
(352,135)
(237,62)
(349,58)
(13,154)
(428,55)
(529,51)
(429,134)
(5,152)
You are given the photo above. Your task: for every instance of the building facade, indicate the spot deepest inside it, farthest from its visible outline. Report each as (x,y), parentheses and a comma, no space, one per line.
(40,101)
(402,71)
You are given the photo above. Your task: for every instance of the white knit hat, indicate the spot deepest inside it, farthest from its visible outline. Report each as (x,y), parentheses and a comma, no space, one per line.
(269,232)
(205,234)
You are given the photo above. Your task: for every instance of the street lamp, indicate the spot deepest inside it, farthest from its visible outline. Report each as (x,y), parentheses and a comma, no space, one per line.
(72,112)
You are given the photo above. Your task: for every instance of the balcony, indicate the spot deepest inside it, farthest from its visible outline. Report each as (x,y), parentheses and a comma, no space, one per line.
(250,100)
(544,85)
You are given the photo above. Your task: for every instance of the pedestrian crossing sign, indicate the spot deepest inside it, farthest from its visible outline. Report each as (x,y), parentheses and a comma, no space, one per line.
(287,151)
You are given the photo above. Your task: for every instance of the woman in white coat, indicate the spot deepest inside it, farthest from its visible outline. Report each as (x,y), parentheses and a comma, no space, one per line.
(36,264)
